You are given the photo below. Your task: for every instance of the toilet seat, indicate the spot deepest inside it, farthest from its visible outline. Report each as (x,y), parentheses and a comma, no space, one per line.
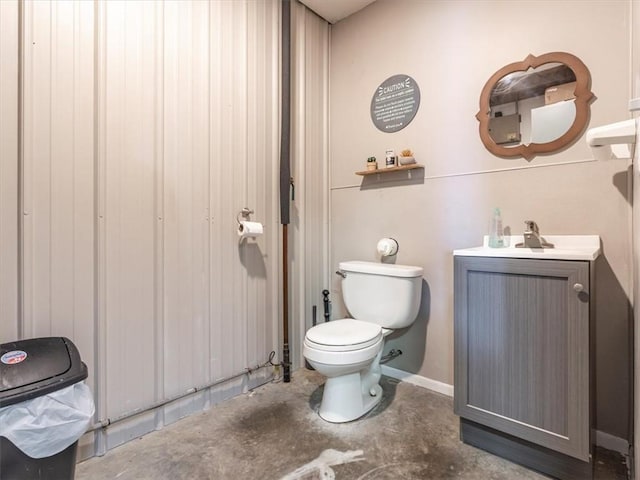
(344,335)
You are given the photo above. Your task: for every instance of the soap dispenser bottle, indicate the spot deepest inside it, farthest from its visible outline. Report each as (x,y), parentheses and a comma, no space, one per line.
(496,236)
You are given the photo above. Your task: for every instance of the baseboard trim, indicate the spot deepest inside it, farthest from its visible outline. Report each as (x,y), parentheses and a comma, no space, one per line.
(603,439)
(419,380)
(611,442)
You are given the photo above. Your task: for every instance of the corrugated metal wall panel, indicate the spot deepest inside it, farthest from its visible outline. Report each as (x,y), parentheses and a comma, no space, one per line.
(216,188)
(310,56)
(316,161)
(131,213)
(58,172)
(234,168)
(259,258)
(186,97)
(83,251)
(228,189)
(9,252)
(186,201)
(272,252)
(37,170)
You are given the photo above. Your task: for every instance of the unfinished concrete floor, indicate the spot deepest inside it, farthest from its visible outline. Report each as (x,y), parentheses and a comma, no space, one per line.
(274,432)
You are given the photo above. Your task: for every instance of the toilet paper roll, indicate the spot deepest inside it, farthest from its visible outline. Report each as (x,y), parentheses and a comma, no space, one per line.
(250,229)
(387,247)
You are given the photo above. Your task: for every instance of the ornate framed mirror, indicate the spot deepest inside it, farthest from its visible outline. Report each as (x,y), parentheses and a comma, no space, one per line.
(538,105)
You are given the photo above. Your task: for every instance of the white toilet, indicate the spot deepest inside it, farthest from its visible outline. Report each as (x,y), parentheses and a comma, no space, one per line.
(381,298)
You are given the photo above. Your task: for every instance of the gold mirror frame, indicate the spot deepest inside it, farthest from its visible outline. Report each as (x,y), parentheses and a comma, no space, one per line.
(583,96)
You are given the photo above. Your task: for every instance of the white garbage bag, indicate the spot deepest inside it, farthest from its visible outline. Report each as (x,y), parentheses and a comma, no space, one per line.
(46,425)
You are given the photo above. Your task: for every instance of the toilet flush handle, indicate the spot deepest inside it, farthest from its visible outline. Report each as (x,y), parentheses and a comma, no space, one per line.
(341,273)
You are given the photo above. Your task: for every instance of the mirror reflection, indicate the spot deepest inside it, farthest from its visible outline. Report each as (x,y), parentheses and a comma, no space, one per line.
(533,106)
(538,105)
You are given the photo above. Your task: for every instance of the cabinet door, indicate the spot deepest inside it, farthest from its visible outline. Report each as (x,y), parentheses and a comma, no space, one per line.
(522,349)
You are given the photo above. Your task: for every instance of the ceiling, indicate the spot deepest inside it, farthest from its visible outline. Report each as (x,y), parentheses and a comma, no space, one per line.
(335,10)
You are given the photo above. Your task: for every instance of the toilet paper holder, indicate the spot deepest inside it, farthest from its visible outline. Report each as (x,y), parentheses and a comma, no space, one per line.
(246,228)
(388,247)
(245,212)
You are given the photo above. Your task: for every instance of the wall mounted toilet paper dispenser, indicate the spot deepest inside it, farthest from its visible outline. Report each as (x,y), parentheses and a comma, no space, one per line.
(387,247)
(615,140)
(246,228)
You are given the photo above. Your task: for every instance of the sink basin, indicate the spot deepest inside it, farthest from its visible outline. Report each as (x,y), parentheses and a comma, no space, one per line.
(566,247)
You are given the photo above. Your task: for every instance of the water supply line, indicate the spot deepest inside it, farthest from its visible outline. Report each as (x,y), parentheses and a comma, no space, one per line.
(326,305)
(101,424)
(285,180)
(393,353)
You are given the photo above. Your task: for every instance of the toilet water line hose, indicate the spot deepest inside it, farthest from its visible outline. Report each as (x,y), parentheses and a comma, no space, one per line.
(326,305)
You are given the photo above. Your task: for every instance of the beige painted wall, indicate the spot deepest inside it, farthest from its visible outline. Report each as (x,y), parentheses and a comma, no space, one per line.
(451,49)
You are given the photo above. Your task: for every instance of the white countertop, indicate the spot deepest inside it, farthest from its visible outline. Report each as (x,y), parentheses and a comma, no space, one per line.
(566,247)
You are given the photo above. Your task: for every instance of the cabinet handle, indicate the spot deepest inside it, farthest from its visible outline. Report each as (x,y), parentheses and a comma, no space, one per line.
(578,287)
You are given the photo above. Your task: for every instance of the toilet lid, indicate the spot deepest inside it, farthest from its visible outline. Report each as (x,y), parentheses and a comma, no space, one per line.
(345,334)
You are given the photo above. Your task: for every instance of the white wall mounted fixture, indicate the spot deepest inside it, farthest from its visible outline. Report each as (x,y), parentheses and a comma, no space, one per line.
(614,133)
(613,140)
(387,247)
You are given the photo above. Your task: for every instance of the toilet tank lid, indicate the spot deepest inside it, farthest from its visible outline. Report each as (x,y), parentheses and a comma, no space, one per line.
(375,268)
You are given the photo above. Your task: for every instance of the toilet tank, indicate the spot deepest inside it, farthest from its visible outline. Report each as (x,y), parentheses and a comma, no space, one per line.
(382,293)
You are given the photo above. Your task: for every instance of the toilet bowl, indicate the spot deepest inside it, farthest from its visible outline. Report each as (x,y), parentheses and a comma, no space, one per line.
(348,351)
(344,351)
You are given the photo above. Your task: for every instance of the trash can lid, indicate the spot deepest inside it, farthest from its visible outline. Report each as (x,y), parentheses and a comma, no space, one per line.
(37,366)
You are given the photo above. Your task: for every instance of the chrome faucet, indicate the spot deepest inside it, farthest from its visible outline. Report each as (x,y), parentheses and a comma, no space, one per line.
(532,235)
(532,238)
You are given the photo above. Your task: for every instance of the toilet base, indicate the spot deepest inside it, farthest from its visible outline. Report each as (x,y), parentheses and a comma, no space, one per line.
(348,398)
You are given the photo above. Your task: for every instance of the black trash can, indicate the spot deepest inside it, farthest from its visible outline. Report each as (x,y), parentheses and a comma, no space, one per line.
(30,369)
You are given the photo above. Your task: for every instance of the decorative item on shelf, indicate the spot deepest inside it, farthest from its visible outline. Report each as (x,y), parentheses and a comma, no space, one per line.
(372,164)
(391,160)
(406,157)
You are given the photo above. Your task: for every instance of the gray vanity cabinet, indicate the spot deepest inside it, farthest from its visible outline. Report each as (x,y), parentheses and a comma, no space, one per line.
(522,352)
